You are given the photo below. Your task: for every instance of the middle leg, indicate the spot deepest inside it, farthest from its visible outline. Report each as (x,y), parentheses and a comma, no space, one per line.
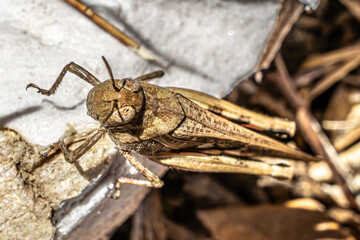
(152,179)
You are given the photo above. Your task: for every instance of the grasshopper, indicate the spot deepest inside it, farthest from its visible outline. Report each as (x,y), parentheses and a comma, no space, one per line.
(149,119)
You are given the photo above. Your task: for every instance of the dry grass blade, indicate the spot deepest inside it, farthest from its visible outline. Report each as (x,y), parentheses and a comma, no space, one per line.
(350,157)
(290,12)
(333,57)
(341,125)
(354,80)
(353,6)
(303,79)
(342,116)
(344,140)
(333,77)
(311,129)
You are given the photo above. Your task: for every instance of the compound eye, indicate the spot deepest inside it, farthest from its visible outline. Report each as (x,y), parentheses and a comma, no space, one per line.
(127,114)
(132,86)
(93,115)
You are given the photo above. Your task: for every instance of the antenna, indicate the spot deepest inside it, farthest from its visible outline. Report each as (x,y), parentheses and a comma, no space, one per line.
(111,74)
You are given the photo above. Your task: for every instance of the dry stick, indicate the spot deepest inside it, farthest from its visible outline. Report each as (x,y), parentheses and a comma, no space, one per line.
(310,128)
(341,124)
(333,77)
(344,140)
(318,65)
(122,37)
(332,57)
(353,80)
(353,7)
(305,78)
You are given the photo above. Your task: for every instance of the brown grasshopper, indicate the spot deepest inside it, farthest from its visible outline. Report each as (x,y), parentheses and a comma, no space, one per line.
(150,119)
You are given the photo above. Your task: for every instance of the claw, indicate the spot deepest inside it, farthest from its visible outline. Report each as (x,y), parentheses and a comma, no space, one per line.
(42,91)
(115,193)
(32,85)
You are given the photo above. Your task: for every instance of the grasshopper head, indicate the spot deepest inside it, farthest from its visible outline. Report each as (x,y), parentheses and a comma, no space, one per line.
(115,107)
(115,102)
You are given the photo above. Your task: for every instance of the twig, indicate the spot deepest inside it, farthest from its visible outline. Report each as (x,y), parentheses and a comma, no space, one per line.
(122,37)
(344,140)
(310,128)
(333,57)
(333,77)
(305,78)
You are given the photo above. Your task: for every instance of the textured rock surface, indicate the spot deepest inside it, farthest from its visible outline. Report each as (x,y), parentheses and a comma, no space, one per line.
(23,214)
